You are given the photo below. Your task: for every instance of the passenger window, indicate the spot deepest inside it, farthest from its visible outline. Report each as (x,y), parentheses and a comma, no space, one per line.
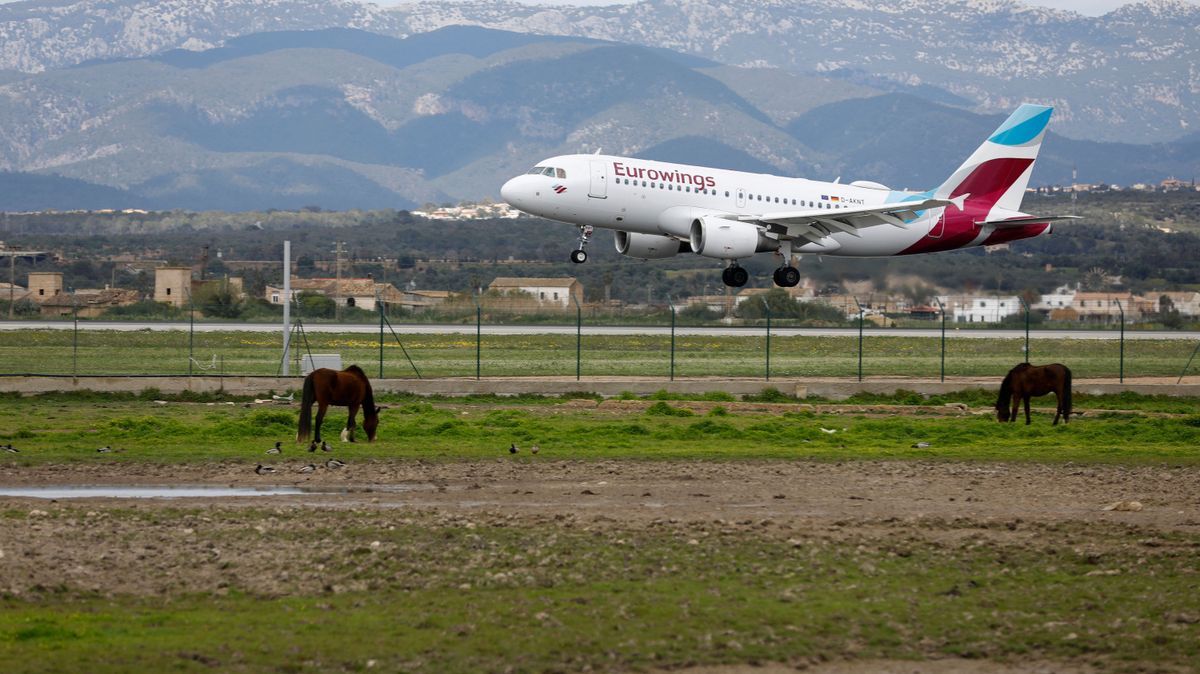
(562,174)
(726,193)
(776,199)
(687,189)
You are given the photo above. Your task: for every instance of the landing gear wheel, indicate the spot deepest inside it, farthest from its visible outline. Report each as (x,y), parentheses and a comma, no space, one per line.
(579,256)
(787,277)
(735,276)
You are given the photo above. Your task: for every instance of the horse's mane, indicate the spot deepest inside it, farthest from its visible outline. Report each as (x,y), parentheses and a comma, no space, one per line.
(368,403)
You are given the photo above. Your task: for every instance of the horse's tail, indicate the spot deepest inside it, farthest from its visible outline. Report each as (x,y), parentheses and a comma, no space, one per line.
(1005,392)
(1066,391)
(306,402)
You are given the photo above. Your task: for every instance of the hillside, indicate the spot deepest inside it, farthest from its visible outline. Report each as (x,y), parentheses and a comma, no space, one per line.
(340,119)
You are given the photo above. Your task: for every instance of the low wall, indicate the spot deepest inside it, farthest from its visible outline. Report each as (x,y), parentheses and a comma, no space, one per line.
(607,386)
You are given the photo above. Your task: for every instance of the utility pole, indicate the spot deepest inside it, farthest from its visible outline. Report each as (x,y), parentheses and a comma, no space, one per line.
(1074,192)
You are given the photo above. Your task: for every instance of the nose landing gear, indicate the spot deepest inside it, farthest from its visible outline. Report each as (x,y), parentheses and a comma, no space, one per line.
(579,255)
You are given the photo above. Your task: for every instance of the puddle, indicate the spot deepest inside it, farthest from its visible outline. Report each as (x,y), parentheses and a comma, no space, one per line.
(61,492)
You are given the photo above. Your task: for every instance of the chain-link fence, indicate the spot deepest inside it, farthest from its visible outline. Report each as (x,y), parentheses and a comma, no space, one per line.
(499,339)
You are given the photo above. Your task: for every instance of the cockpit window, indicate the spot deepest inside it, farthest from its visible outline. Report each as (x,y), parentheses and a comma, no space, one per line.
(548,171)
(536,170)
(561,173)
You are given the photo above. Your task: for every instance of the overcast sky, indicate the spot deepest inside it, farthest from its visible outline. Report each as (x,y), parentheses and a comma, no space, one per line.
(1088,7)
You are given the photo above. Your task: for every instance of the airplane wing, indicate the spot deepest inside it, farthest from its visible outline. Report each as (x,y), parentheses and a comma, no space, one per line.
(816,224)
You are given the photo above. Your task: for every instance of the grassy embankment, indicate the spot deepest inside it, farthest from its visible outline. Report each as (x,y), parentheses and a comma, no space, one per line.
(54,352)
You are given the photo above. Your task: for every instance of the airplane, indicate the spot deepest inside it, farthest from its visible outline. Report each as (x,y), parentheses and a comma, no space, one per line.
(660,209)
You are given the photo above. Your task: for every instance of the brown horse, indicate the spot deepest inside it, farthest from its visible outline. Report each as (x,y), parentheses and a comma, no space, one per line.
(1025,380)
(329,387)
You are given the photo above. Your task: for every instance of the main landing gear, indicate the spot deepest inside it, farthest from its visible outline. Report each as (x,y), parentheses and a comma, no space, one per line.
(787,277)
(579,255)
(735,276)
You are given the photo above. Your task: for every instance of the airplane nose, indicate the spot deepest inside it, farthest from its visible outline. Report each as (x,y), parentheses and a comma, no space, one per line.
(509,192)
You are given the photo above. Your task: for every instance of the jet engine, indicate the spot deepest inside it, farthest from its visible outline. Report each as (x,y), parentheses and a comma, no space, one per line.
(728,239)
(648,246)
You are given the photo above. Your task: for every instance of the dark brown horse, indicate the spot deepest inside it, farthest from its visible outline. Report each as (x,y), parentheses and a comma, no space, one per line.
(349,388)
(1025,381)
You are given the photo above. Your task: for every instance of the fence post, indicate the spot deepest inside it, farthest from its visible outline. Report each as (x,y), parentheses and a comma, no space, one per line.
(1025,305)
(767,308)
(942,310)
(191,332)
(379,304)
(578,335)
(1122,366)
(75,338)
(860,336)
(672,305)
(478,335)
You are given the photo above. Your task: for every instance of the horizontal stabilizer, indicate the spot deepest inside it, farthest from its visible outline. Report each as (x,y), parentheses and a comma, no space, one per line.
(1029,220)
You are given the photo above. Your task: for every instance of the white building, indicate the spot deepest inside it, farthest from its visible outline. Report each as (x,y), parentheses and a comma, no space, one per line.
(545,290)
(1062,298)
(991,309)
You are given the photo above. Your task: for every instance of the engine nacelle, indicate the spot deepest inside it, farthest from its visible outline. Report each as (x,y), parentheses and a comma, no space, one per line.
(648,246)
(728,239)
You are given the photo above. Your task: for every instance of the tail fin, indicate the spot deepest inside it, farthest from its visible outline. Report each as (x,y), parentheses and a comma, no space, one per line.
(997,173)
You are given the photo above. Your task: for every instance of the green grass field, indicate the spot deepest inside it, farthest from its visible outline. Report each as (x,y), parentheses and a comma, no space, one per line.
(69,427)
(302,589)
(108,352)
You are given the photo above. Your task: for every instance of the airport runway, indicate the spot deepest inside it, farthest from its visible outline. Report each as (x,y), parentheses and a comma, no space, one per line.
(709,331)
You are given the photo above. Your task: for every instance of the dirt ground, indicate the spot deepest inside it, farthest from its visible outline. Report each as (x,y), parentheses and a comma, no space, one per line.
(1167,498)
(80,543)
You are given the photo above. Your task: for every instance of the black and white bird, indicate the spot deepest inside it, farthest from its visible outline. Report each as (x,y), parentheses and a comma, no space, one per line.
(105,449)
(308,469)
(921,445)
(312,446)
(10,449)
(263,470)
(513,449)
(334,464)
(277,449)
(325,447)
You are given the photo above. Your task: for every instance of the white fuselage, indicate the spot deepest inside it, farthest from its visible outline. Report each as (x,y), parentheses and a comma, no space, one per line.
(650,197)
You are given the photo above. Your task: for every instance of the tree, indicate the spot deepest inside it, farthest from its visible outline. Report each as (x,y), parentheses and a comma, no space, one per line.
(217,300)
(1168,315)
(315,305)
